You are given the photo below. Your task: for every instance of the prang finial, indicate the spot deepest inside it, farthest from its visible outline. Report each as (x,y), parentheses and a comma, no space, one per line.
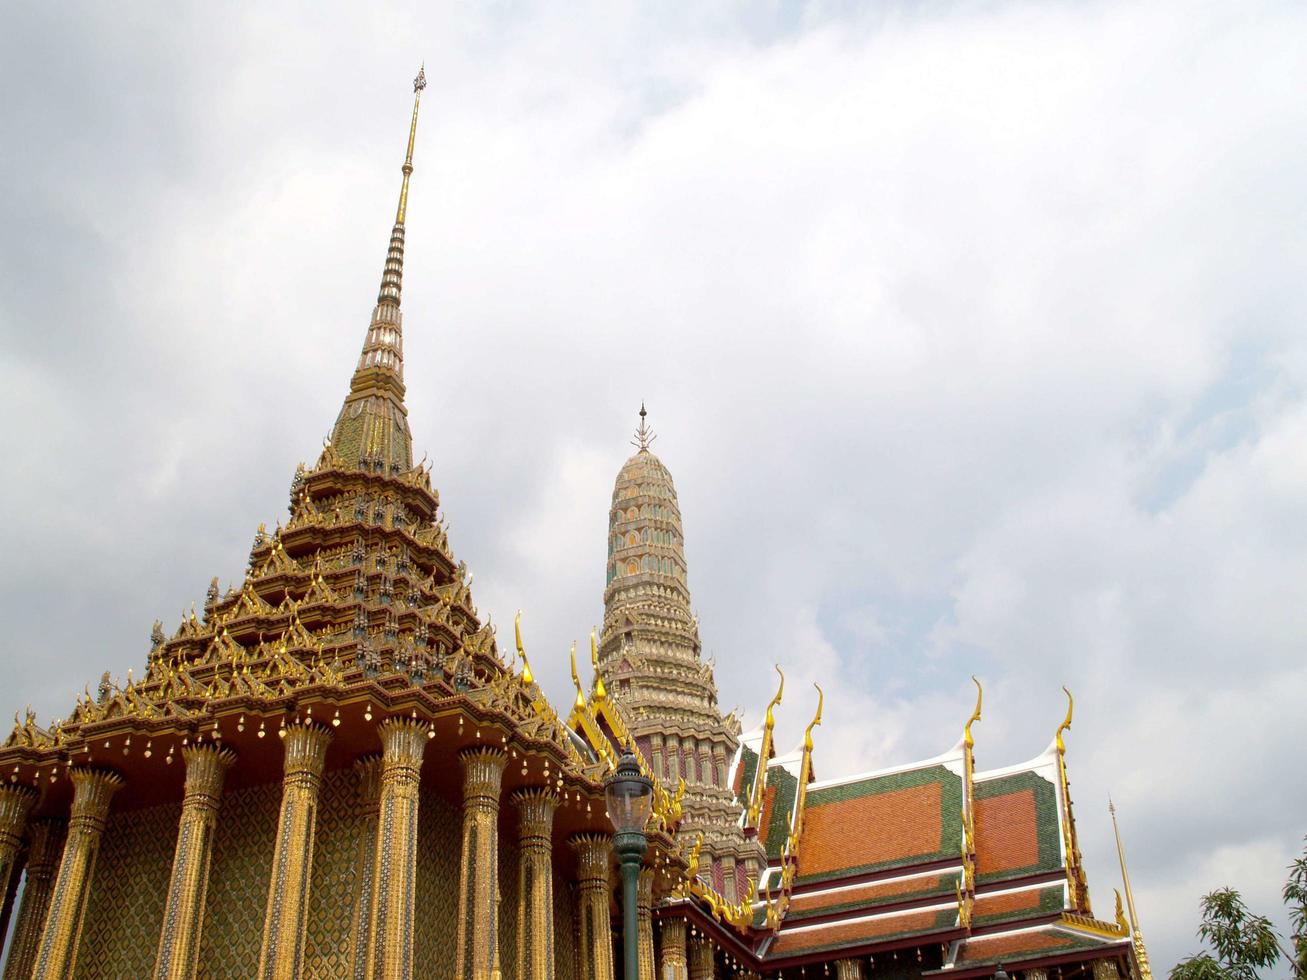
(420,82)
(644,436)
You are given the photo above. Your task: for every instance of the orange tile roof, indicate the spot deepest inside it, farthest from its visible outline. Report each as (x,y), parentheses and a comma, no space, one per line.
(1022,945)
(871,830)
(1017,830)
(1035,901)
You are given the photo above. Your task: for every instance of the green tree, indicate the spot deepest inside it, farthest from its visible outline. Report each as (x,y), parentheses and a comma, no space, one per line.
(1243,943)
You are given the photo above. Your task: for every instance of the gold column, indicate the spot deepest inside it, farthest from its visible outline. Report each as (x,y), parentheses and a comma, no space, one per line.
(15,804)
(93,789)
(394,892)
(478,891)
(183,917)
(535,908)
(848,970)
(701,959)
(282,955)
(644,918)
(672,941)
(47,844)
(596,952)
(368,771)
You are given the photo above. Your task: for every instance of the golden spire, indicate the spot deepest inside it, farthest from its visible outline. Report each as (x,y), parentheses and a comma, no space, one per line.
(576,680)
(1066,725)
(599,692)
(1141,954)
(419,84)
(644,436)
(372,429)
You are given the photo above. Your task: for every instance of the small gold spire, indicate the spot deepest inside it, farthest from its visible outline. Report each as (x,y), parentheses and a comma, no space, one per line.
(576,680)
(419,84)
(1141,952)
(816,720)
(644,436)
(599,692)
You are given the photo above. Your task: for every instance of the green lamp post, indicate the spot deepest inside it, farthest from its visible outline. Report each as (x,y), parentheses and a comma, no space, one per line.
(629,794)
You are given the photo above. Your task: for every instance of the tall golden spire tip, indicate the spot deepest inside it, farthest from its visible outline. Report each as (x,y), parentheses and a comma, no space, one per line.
(644,436)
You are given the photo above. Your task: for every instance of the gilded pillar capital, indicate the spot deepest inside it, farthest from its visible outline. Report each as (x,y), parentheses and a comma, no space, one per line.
(15,804)
(306,750)
(848,970)
(592,856)
(535,807)
(483,774)
(701,959)
(206,768)
(93,791)
(672,946)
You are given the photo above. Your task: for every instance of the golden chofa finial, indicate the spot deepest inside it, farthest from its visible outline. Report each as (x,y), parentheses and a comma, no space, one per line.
(600,692)
(576,680)
(527,677)
(816,719)
(975,715)
(644,436)
(1066,725)
(419,83)
(771,717)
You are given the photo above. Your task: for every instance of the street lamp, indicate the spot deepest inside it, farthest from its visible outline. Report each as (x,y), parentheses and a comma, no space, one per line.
(629,795)
(1000,973)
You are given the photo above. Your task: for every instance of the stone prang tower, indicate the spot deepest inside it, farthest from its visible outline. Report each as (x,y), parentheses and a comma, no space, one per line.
(649,656)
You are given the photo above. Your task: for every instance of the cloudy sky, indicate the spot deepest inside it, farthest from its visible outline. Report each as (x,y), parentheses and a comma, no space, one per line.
(973,334)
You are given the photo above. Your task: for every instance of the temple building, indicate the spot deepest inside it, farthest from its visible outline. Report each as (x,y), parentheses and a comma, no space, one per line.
(333,770)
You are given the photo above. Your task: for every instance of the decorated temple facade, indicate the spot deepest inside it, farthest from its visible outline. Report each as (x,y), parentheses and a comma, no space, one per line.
(333,770)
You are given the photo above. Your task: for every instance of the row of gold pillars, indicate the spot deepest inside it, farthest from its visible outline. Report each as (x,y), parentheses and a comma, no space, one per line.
(698,964)
(50,918)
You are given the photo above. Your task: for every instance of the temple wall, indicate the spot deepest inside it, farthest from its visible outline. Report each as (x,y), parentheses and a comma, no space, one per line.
(120,936)
(565,931)
(333,886)
(238,884)
(435,921)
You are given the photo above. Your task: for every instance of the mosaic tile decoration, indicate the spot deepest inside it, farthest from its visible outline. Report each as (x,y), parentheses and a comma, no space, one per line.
(332,887)
(120,936)
(440,831)
(238,884)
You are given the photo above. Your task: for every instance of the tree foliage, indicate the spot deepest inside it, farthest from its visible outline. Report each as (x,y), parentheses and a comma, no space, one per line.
(1242,943)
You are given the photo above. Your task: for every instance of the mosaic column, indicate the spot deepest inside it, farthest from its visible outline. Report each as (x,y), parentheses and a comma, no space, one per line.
(672,937)
(46,845)
(848,970)
(478,891)
(93,789)
(596,951)
(394,892)
(282,954)
(15,804)
(701,959)
(644,918)
(535,908)
(183,917)
(368,771)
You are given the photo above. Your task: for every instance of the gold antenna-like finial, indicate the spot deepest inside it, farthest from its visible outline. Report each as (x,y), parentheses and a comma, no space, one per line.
(975,715)
(644,436)
(419,84)
(1066,725)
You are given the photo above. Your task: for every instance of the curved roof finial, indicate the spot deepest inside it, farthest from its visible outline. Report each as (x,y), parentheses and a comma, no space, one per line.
(1066,725)
(975,715)
(644,435)
(527,677)
(816,719)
